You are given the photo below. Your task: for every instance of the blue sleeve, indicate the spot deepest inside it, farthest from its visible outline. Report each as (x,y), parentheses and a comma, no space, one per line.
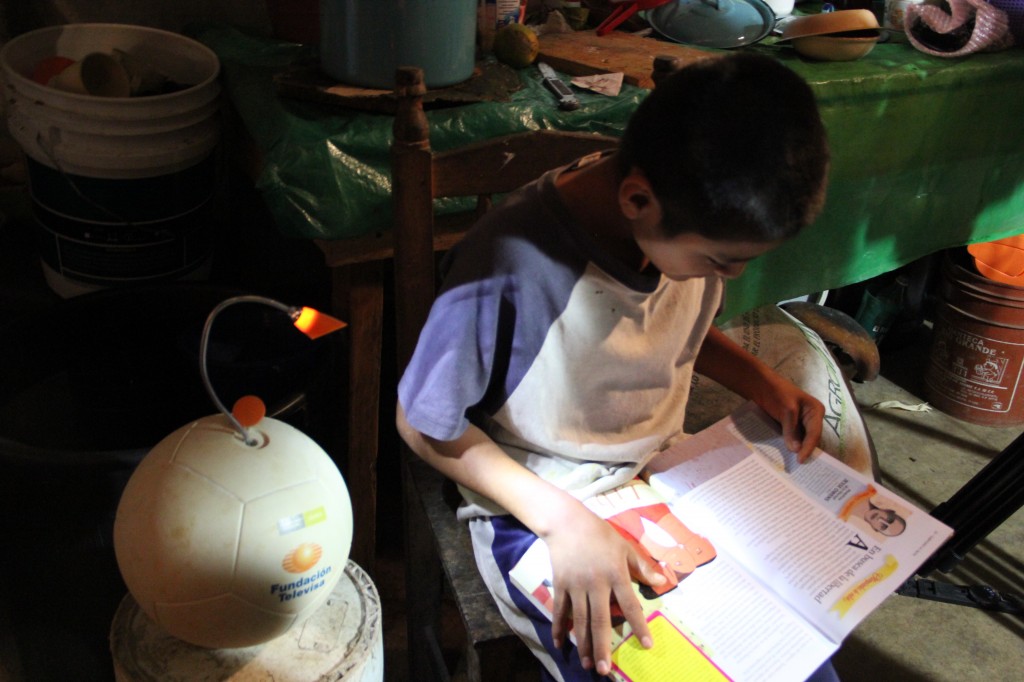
(452,365)
(506,283)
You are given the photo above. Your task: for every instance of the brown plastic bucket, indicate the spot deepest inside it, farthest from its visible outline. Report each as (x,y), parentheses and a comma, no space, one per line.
(975,368)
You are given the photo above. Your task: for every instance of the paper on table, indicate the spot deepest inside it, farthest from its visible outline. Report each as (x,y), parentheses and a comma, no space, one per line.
(602,83)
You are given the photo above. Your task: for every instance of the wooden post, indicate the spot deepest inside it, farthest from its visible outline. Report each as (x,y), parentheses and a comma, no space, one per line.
(413,197)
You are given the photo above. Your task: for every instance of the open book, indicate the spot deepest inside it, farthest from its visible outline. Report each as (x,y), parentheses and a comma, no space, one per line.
(771,563)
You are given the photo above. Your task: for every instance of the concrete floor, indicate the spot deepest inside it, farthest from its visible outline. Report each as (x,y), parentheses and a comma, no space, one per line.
(926,457)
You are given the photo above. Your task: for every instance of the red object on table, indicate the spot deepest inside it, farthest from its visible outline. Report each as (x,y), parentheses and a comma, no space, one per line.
(624,10)
(49,68)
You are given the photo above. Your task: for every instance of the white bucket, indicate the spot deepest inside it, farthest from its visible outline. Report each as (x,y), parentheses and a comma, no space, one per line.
(122,187)
(342,640)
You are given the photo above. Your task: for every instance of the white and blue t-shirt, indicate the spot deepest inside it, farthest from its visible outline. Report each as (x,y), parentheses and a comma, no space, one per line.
(578,366)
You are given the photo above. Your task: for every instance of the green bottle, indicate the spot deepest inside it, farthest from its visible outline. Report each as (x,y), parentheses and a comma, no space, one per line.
(879,309)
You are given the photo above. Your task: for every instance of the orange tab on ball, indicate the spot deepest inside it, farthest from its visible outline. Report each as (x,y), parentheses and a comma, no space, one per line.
(249,410)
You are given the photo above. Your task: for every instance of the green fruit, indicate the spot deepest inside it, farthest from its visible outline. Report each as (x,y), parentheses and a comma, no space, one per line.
(516,45)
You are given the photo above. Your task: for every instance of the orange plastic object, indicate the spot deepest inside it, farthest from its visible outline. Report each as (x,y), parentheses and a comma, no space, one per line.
(1001,260)
(249,410)
(49,68)
(315,324)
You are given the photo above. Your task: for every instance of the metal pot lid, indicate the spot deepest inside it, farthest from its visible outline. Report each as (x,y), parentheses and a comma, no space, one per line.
(713,23)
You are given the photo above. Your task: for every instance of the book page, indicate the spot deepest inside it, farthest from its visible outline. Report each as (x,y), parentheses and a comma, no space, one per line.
(675,658)
(719,611)
(746,631)
(830,543)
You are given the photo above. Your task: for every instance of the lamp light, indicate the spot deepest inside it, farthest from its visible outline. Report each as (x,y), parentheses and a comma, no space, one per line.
(310,322)
(237,526)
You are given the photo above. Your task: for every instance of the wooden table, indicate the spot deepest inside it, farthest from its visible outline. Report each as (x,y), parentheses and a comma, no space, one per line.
(928,154)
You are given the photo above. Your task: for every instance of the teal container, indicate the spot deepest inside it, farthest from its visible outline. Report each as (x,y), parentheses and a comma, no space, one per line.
(362,42)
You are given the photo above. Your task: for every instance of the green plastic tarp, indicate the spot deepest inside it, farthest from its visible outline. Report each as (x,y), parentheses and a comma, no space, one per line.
(928,153)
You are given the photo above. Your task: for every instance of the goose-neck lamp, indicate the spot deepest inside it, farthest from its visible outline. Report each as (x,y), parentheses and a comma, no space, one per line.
(237,526)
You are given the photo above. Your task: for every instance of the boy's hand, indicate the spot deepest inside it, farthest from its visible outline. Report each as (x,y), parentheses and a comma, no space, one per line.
(594,565)
(799,414)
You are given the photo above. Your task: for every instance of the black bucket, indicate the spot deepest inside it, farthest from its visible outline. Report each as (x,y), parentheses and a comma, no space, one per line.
(86,389)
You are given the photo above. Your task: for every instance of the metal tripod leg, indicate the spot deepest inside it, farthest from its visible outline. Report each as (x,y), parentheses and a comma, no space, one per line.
(979,507)
(977,596)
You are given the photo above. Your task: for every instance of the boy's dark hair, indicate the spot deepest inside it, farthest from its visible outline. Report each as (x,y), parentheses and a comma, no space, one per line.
(733,148)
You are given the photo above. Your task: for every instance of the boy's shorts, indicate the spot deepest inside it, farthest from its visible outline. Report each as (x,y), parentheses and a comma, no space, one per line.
(498,543)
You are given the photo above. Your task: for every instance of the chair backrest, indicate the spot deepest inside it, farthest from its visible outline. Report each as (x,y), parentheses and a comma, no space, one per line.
(419,176)
(480,169)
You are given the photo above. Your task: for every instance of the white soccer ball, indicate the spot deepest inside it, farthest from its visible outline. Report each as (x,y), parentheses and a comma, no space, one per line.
(227,545)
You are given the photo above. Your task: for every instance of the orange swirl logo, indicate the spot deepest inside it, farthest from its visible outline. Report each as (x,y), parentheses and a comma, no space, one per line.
(302,558)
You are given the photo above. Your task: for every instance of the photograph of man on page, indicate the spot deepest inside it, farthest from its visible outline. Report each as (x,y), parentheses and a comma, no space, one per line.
(877,512)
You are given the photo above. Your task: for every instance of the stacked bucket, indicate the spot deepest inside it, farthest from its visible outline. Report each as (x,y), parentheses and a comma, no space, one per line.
(122,187)
(976,364)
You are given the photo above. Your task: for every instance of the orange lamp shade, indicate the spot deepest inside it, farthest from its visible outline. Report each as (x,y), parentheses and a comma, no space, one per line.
(315,324)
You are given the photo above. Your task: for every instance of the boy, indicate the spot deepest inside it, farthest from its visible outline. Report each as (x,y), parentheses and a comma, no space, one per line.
(557,358)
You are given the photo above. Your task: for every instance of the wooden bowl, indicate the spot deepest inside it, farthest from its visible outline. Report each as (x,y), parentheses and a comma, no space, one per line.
(830,22)
(835,48)
(835,36)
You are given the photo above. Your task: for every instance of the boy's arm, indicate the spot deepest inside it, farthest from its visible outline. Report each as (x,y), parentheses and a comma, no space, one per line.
(799,413)
(592,564)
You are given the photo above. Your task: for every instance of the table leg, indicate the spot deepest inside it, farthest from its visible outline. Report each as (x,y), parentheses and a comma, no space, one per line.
(358,291)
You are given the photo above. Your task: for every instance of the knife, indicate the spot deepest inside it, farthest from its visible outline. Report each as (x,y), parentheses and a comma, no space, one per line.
(566,98)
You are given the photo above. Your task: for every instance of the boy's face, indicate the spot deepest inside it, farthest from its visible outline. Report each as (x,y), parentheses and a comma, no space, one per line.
(686,254)
(689,255)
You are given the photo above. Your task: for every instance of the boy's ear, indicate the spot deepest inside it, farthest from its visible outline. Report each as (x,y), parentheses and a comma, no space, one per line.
(636,198)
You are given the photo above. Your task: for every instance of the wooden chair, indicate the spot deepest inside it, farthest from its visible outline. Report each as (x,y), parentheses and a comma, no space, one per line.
(358,266)
(438,548)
